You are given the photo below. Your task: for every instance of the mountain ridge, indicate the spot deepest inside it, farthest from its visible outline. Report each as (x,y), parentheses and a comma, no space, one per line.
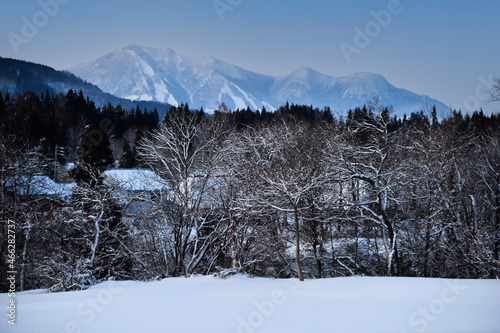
(161,74)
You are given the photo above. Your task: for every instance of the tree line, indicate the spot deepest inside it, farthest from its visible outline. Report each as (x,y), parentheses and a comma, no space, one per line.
(295,192)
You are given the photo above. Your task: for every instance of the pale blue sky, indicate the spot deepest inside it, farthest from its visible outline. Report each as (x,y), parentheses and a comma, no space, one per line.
(435,47)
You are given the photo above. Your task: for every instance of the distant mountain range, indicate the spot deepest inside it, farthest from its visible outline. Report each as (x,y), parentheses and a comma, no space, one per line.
(159,77)
(160,74)
(18,77)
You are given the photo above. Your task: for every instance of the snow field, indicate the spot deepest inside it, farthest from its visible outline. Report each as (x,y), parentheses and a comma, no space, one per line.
(245,305)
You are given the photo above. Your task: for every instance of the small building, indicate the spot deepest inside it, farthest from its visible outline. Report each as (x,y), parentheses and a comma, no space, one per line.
(134,188)
(135,181)
(39,186)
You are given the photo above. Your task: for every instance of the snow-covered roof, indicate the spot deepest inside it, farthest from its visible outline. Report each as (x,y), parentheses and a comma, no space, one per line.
(135,180)
(40,186)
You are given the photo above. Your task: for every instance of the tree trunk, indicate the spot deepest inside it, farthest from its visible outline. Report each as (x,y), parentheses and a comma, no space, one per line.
(392,257)
(232,240)
(96,240)
(297,246)
(318,260)
(427,248)
(25,257)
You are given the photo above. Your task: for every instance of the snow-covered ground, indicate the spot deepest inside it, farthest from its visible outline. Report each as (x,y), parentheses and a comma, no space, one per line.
(241,304)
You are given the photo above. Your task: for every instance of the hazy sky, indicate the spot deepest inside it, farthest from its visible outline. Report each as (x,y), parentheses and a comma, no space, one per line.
(447,49)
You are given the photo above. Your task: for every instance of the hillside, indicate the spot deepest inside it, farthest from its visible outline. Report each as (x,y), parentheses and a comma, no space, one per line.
(18,77)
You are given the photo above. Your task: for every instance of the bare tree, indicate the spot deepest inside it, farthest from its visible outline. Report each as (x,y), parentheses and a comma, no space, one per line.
(185,152)
(22,195)
(96,237)
(365,157)
(488,171)
(425,157)
(284,170)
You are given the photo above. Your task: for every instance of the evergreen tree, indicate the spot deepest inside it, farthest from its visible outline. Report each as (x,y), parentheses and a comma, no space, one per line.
(263,114)
(119,122)
(94,154)
(138,117)
(127,160)
(155,119)
(435,121)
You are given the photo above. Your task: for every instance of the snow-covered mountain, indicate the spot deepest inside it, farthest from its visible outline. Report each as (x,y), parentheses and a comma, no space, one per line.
(161,74)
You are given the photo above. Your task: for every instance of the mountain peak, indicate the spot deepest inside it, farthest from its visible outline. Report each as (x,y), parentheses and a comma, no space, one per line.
(303,70)
(367,77)
(133,48)
(363,82)
(130,47)
(144,52)
(140,48)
